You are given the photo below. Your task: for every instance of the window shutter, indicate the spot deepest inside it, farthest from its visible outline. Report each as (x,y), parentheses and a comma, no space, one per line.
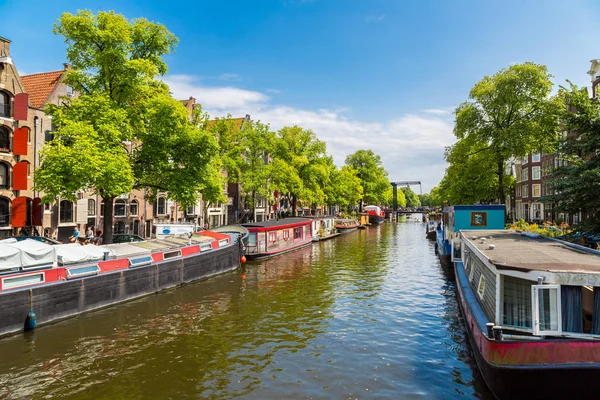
(19,212)
(21,107)
(21,136)
(37,212)
(20,176)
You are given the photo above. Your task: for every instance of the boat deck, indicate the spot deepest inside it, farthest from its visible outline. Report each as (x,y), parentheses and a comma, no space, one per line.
(516,251)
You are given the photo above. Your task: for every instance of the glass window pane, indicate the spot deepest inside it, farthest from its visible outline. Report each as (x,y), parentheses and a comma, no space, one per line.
(548,309)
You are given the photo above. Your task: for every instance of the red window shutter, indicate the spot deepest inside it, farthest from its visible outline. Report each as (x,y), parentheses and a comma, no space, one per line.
(37,212)
(20,176)
(19,212)
(20,139)
(21,107)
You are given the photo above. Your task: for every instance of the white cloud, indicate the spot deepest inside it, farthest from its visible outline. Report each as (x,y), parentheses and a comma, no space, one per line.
(374,18)
(274,91)
(229,77)
(411,146)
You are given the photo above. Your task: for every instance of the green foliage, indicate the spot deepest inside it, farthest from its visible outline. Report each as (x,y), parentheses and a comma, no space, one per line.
(344,188)
(373,177)
(546,229)
(508,114)
(412,200)
(576,183)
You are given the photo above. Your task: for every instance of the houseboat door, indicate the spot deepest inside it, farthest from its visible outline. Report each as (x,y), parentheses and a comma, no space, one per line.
(546,310)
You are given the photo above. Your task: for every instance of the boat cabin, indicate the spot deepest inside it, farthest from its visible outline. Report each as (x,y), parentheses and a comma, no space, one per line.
(322,227)
(531,285)
(272,237)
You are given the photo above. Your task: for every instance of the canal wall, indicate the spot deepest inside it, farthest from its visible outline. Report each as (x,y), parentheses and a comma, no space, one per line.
(57,300)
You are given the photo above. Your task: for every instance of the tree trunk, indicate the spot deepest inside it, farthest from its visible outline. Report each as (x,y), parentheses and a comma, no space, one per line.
(253,206)
(107,233)
(502,197)
(294,205)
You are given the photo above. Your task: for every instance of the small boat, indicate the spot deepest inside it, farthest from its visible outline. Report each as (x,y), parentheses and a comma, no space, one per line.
(346,225)
(323,228)
(531,307)
(376,214)
(363,220)
(430,229)
(274,237)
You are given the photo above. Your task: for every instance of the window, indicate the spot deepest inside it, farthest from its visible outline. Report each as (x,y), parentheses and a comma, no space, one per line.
(535,157)
(546,310)
(29,170)
(524,160)
(479,218)
(120,208)
(536,173)
(525,173)
(102,209)
(4,105)
(119,227)
(48,136)
(456,254)
(161,206)
(23,280)
(517,302)
(298,233)
(3,176)
(133,208)
(4,211)
(69,90)
(91,207)
(536,190)
(481,287)
(191,210)
(65,211)
(525,191)
(272,237)
(286,234)
(4,140)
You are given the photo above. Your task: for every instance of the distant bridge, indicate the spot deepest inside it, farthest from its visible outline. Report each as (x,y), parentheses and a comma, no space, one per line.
(395,186)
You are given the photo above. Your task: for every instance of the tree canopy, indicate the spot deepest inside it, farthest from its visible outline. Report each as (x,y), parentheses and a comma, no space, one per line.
(508,114)
(373,177)
(412,200)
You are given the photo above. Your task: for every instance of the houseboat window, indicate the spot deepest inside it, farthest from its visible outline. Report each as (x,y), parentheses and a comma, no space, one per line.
(286,234)
(272,237)
(223,242)
(517,302)
(9,283)
(546,310)
(206,247)
(479,218)
(571,298)
(307,231)
(456,256)
(481,287)
(298,233)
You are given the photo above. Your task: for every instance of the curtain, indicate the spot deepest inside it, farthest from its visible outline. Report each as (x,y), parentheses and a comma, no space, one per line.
(596,312)
(572,308)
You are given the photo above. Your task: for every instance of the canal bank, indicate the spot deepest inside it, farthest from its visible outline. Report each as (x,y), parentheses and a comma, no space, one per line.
(366,315)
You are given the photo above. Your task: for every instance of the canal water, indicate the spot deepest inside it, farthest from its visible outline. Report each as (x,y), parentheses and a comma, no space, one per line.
(368,315)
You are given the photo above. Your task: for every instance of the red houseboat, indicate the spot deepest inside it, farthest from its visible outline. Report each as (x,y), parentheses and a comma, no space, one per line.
(376,214)
(532,310)
(270,238)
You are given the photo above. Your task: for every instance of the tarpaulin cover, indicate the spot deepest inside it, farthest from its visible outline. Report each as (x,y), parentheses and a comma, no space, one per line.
(74,253)
(10,257)
(34,253)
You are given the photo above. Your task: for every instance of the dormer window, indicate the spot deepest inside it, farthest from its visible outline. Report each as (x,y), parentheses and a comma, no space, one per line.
(69,90)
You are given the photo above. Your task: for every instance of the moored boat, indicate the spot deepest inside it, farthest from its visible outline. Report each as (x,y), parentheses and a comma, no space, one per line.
(58,281)
(376,214)
(346,225)
(274,237)
(532,310)
(323,228)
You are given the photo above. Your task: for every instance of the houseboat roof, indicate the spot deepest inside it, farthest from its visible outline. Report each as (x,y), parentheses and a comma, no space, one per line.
(318,218)
(526,252)
(274,223)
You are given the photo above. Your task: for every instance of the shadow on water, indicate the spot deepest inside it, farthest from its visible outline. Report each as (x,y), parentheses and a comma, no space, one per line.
(366,315)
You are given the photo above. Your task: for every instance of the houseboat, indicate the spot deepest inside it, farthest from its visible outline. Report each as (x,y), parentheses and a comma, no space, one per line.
(323,228)
(346,225)
(273,237)
(376,214)
(433,219)
(531,306)
(456,218)
(40,282)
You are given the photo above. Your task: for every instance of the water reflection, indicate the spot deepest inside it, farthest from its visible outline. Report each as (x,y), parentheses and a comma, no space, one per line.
(369,315)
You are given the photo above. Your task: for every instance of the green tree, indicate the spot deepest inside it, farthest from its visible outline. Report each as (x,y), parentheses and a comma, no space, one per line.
(301,166)
(114,65)
(230,133)
(509,114)
(373,177)
(575,184)
(435,199)
(412,199)
(344,188)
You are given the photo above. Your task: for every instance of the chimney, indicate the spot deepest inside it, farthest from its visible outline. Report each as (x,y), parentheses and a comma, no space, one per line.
(66,66)
(4,46)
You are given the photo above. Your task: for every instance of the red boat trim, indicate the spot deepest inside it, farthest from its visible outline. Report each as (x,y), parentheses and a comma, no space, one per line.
(270,253)
(277,227)
(556,353)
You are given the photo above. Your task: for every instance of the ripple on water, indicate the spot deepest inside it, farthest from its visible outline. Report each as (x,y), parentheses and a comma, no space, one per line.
(367,315)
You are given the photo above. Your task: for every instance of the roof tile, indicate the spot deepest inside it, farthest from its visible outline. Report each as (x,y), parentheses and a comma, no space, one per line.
(39,86)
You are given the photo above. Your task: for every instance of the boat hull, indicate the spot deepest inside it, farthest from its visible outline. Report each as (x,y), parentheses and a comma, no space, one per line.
(376,219)
(67,298)
(346,230)
(256,256)
(527,369)
(442,248)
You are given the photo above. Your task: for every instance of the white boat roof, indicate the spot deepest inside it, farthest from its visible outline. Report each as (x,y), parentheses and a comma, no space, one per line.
(73,253)
(125,249)
(525,252)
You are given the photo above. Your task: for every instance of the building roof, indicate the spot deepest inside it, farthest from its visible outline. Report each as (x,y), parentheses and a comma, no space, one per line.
(525,252)
(39,86)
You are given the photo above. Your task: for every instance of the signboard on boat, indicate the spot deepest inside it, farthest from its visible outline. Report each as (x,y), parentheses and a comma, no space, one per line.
(168,230)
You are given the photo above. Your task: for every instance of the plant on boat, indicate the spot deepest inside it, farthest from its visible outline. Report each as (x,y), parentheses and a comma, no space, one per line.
(546,229)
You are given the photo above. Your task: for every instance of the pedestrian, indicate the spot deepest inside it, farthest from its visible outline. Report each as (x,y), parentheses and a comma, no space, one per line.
(75,236)
(89,234)
(98,239)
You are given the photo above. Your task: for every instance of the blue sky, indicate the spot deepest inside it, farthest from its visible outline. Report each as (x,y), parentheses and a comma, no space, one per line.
(362,74)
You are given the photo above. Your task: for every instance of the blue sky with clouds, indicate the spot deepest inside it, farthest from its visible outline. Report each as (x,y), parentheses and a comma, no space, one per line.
(372,74)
